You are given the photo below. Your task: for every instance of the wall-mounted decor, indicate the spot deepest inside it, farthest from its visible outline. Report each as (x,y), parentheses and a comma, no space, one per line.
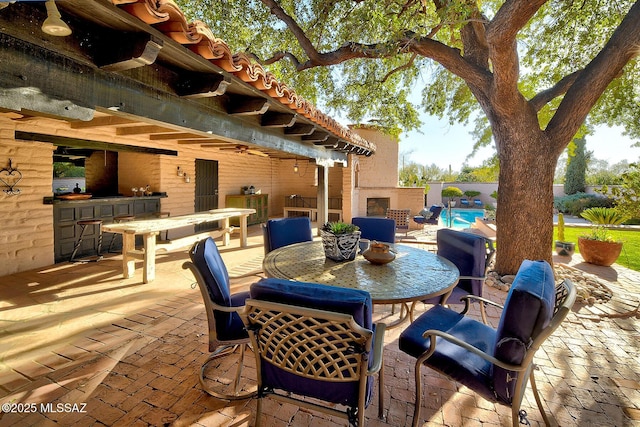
(9,178)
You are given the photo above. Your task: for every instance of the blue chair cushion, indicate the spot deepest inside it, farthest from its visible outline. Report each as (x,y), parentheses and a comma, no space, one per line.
(233,329)
(528,309)
(206,257)
(469,253)
(287,231)
(450,359)
(355,302)
(376,228)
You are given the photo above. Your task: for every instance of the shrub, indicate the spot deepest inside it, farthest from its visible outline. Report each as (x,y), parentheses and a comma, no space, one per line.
(574,204)
(452,192)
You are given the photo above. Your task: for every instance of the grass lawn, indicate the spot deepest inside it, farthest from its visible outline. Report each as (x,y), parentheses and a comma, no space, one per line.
(630,255)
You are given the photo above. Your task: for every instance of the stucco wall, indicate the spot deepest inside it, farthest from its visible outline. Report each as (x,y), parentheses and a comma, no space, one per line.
(26,233)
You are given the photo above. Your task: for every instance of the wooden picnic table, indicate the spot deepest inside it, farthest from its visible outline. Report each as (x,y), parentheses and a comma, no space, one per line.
(150,228)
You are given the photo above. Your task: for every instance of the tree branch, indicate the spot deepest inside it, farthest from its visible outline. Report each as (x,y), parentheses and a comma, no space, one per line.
(589,85)
(501,34)
(449,57)
(543,98)
(400,68)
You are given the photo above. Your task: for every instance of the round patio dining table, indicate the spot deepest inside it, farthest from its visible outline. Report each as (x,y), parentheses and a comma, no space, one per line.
(414,275)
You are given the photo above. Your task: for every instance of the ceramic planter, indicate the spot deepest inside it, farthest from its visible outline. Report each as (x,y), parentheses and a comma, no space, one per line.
(565,248)
(340,247)
(598,252)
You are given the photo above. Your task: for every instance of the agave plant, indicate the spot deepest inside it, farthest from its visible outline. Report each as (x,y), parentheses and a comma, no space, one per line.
(601,219)
(339,227)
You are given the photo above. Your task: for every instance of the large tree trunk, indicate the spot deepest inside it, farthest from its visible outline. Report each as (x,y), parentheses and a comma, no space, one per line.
(525,196)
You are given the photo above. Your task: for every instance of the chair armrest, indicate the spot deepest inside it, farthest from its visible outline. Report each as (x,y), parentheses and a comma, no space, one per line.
(473,277)
(377,347)
(433,333)
(238,309)
(476,298)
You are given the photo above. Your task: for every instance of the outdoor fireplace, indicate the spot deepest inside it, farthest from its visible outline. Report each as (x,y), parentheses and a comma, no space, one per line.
(377,206)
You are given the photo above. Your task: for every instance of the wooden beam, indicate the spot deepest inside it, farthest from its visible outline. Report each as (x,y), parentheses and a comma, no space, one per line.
(278,120)
(100,121)
(299,129)
(140,130)
(45,82)
(331,142)
(124,51)
(86,143)
(176,135)
(242,106)
(194,141)
(316,136)
(200,85)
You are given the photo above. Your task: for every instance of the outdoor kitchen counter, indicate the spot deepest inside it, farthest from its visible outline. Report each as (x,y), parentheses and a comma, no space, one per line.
(66,214)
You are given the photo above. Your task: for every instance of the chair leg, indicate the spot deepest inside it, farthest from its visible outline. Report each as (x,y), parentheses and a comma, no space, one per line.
(483,313)
(534,388)
(236,384)
(237,395)
(258,422)
(418,402)
(78,243)
(381,392)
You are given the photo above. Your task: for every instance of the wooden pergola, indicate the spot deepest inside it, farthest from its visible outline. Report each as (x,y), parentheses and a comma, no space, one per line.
(115,69)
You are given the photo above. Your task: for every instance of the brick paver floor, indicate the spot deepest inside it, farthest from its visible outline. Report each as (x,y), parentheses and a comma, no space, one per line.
(79,345)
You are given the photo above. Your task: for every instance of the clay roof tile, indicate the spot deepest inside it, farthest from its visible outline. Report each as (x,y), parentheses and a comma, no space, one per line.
(169,19)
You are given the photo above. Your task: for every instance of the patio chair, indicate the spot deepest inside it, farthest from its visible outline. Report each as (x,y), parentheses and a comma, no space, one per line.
(315,341)
(494,363)
(401,217)
(478,203)
(376,228)
(226,330)
(286,231)
(472,254)
(464,203)
(430,216)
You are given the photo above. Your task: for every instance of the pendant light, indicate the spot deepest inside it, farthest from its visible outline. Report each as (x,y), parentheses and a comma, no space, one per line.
(53,25)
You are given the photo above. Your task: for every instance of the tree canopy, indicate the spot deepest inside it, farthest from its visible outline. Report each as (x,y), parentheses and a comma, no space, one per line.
(409,37)
(530,74)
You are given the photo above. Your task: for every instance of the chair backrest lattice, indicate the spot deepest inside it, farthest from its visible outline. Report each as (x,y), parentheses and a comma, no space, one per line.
(401,217)
(309,343)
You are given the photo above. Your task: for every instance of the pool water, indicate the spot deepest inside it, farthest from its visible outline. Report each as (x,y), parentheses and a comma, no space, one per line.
(460,218)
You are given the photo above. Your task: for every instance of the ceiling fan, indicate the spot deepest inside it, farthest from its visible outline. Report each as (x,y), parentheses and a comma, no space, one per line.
(243,149)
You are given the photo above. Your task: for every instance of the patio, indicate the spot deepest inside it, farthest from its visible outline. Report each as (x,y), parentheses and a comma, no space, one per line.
(127,353)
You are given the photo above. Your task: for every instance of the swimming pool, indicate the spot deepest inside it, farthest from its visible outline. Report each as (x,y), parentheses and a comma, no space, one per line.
(460,218)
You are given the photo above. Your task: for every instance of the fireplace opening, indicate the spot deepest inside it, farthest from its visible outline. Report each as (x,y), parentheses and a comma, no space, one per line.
(377,206)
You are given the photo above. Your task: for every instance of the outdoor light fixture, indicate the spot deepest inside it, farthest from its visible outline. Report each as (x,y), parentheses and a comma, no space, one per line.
(295,167)
(180,172)
(53,25)
(187,178)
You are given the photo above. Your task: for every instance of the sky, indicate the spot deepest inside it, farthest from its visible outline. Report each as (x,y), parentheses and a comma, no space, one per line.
(445,145)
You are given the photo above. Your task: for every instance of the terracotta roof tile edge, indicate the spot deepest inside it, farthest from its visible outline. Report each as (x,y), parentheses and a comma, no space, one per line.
(167,17)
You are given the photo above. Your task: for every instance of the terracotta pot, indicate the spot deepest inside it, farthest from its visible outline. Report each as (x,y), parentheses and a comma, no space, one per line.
(565,248)
(598,252)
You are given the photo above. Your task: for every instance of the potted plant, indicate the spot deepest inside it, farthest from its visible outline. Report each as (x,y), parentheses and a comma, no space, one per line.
(450,193)
(599,247)
(563,247)
(340,240)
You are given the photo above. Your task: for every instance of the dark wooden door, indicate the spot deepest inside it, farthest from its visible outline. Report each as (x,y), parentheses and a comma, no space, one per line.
(206,190)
